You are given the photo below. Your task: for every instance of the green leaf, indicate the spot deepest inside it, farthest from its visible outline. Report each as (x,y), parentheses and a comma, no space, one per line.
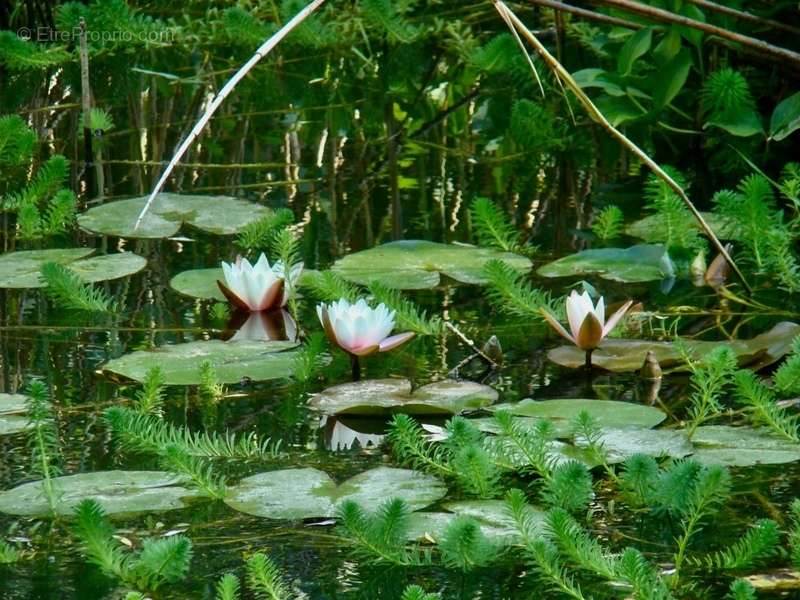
(618,110)
(742,446)
(640,263)
(419,264)
(785,118)
(671,79)
(391,396)
(606,413)
(180,363)
(23,269)
(588,78)
(307,493)
(637,45)
(739,123)
(223,215)
(116,491)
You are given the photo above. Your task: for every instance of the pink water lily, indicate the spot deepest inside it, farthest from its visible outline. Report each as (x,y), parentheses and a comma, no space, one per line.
(359,329)
(587,322)
(260,286)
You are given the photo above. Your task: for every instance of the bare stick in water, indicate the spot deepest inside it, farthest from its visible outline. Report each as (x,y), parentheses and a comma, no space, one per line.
(561,73)
(265,49)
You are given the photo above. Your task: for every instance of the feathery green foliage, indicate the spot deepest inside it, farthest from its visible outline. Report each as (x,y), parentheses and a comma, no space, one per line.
(578,546)
(710,378)
(751,550)
(511,292)
(725,95)
(310,358)
(751,392)
(383,16)
(43,442)
(639,476)
(414,592)
(17,142)
(49,178)
(68,290)
(140,432)
(787,376)
(518,444)
(328,286)
(492,227)
(265,579)
(380,537)
(675,226)
(150,399)
(794,533)
(646,583)
(8,554)
(211,390)
(534,126)
(228,587)
(260,235)
(741,589)
(176,459)
(20,55)
(569,486)
(409,446)
(609,223)
(160,561)
(408,315)
(670,491)
(464,546)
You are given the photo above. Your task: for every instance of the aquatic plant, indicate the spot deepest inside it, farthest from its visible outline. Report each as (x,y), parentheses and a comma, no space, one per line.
(359,329)
(491,226)
(8,554)
(43,440)
(609,223)
(587,322)
(710,378)
(260,286)
(260,235)
(510,291)
(68,290)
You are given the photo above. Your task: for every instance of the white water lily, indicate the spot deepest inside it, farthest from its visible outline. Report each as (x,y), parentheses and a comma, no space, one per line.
(265,327)
(587,322)
(260,286)
(359,329)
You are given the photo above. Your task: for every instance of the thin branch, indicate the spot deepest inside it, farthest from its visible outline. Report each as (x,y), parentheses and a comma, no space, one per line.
(265,49)
(588,14)
(599,118)
(744,16)
(664,16)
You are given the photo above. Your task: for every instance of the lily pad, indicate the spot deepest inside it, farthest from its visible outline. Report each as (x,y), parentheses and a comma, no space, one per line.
(116,491)
(628,355)
(22,269)
(622,442)
(419,264)
(307,493)
(492,516)
(607,413)
(223,215)
(508,455)
(720,226)
(391,396)
(232,361)
(12,413)
(742,446)
(644,262)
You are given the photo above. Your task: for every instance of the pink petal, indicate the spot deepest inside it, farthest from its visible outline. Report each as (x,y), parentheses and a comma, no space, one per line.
(365,351)
(556,325)
(395,341)
(614,319)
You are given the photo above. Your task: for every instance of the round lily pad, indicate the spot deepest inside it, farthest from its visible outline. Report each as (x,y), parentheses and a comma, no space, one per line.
(390,396)
(22,269)
(12,413)
(643,228)
(492,517)
(116,491)
(622,442)
(419,264)
(224,215)
(607,413)
(307,493)
(628,355)
(742,446)
(644,262)
(232,361)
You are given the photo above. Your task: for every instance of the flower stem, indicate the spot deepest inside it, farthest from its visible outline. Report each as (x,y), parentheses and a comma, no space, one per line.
(356,367)
(589,359)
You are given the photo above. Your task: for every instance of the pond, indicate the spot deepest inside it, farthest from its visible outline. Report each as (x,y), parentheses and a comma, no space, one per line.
(162,436)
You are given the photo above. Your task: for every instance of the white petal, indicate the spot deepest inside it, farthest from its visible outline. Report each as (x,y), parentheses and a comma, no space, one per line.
(600,311)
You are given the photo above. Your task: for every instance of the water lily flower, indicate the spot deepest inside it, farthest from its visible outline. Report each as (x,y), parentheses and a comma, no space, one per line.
(260,286)
(359,329)
(587,322)
(263,326)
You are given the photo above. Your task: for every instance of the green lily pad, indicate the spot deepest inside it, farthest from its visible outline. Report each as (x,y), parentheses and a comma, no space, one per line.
(307,493)
(622,442)
(232,361)
(643,228)
(640,263)
(419,264)
(492,516)
(202,283)
(223,215)
(742,446)
(22,269)
(607,413)
(508,455)
(391,396)
(116,491)
(12,413)
(628,355)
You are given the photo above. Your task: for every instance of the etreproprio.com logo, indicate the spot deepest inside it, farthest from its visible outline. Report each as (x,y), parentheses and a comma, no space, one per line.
(48,34)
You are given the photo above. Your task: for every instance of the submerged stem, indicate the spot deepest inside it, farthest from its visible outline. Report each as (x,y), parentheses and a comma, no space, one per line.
(356,365)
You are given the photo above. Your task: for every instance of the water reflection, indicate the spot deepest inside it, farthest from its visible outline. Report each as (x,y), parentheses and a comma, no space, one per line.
(262,326)
(342,433)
